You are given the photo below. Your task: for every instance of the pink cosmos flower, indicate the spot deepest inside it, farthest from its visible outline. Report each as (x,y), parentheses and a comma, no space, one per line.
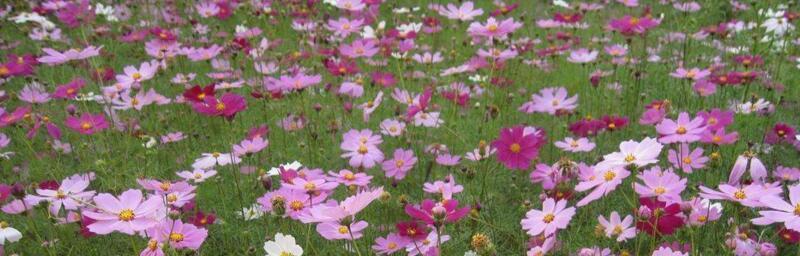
(605,178)
(582,56)
(341,231)
(293,203)
(70,194)
(551,100)
(201,54)
(749,195)
(133,76)
(447,159)
(703,211)
(686,159)
(362,148)
(493,29)
(572,145)
(515,149)
(719,137)
(179,235)
(614,227)
(345,210)
(781,211)
(127,214)
(392,127)
(465,12)
(390,244)
(348,178)
(250,146)
(343,27)
(629,25)
(665,185)
(446,189)
(198,175)
(667,251)
(311,186)
(297,82)
(716,118)
(684,130)
(437,213)
(553,216)
(360,48)
(54,57)
(693,73)
(34,93)
(69,90)
(87,123)
(400,164)
(350,5)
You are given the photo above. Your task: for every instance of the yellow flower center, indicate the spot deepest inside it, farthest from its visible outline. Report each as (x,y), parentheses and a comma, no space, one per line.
(3,224)
(136,76)
(702,218)
(126,215)
(172,198)
(60,194)
(739,194)
(617,230)
(555,103)
(220,106)
(549,218)
(86,125)
(198,176)
(492,28)
(342,229)
(296,205)
(609,175)
(711,121)
(681,130)
(152,245)
(4,71)
(362,149)
(391,245)
(399,163)
(573,144)
(634,21)
(797,209)
(216,154)
(349,176)
(176,237)
(515,148)
(285,253)
(310,186)
(687,160)
(660,190)
(165,186)
(630,158)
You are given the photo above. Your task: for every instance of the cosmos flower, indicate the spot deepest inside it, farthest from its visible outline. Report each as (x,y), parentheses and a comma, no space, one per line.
(516,149)
(87,123)
(606,178)
(179,235)
(128,213)
(54,57)
(615,227)
(282,245)
(551,100)
(465,12)
(400,164)
(640,153)
(683,130)
(553,216)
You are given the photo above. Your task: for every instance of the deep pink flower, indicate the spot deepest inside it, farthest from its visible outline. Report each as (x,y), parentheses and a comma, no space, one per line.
(516,149)
(437,213)
(629,25)
(657,218)
(69,90)
(227,106)
(87,123)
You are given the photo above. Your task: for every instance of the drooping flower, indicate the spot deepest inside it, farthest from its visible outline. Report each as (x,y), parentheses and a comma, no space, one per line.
(8,234)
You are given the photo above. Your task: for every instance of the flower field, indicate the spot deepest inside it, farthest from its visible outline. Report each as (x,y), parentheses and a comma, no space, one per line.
(379,127)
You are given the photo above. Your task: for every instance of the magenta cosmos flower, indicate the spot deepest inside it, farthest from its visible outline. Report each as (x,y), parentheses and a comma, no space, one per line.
(629,25)
(227,105)
(658,218)
(127,214)
(179,235)
(437,213)
(553,216)
(515,149)
(683,130)
(87,123)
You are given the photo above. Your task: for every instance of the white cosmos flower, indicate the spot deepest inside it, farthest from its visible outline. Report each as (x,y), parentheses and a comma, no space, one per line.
(208,160)
(287,166)
(26,17)
(251,213)
(107,11)
(283,245)
(8,233)
(639,153)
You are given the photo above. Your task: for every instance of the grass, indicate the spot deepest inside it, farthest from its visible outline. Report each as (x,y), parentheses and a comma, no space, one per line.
(119,158)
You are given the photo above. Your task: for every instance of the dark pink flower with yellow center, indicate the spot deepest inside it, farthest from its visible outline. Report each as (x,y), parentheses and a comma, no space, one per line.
(227,105)
(515,149)
(87,123)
